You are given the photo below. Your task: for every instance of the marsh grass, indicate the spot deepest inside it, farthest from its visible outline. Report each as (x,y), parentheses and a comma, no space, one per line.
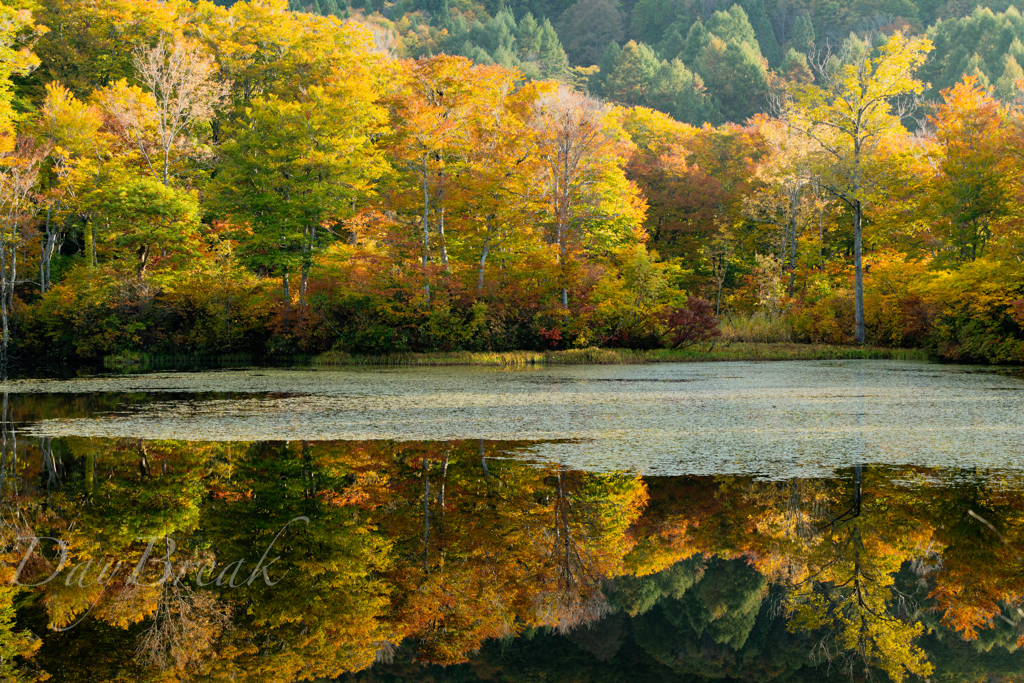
(758,328)
(745,351)
(502,359)
(595,356)
(720,350)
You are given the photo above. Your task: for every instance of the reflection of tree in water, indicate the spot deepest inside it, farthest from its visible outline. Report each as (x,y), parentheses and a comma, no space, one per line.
(850,599)
(18,511)
(574,596)
(182,629)
(974,523)
(433,551)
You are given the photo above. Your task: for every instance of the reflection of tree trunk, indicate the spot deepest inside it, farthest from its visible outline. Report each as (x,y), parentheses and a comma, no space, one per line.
(307,472)
(444,477)
(858,480)
(440,503)
(51,468)
(576,597)
(90,474)
(144,468)
(89,249)
(426,515)
(483,465)
(567,555)
(8,445)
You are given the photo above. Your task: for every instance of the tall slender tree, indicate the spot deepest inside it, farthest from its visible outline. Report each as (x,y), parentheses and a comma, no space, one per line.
(862,98)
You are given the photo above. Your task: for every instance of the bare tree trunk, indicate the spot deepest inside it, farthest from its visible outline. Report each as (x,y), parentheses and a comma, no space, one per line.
(287,297)
(8,278)
(426,224)
(307,261)
(303,273)
(6,282)
(792,253)
(483,261)
(45,245)
(858,273)
(721,281)
(444,245)
(90,243)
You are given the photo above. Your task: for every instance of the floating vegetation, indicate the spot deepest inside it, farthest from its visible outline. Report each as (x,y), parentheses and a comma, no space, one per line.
(764,419)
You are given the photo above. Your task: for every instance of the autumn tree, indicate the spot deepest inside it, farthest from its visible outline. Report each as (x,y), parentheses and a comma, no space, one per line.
(294,169)
(791,198)
(850,113)
(970,189)
(591,202)
(89,45)
(179,76)
(72,128)
(19,169)
(19,165)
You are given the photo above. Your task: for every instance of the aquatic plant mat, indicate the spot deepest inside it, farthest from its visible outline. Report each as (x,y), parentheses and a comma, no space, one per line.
(766,419)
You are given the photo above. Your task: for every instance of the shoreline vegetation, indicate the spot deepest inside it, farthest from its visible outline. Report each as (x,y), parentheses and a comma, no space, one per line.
(207,185)
(728,351)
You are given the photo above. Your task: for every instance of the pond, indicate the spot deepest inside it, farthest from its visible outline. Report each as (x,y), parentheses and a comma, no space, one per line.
(674,522)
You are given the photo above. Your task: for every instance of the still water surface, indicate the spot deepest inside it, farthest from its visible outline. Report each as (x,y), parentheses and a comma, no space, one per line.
(690,522)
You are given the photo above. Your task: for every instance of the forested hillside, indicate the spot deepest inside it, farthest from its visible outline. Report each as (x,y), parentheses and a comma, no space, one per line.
(185,177)
(732,56)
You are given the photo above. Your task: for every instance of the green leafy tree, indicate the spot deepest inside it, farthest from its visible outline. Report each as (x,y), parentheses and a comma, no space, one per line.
(152,224)
(648,21)
(633,77)
(733,26)
(297,168)
(1006,86)
(734,73)
(802,39)
(587,27)
(697,38)
(552,58)
(599,82)
(767,44)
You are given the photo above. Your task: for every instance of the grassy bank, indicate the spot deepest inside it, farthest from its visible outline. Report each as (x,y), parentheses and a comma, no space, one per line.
(596,356)
(142,362)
